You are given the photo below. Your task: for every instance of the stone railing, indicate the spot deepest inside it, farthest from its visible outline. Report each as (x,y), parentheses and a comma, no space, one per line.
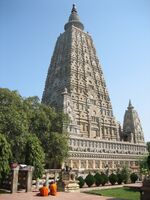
(103,146)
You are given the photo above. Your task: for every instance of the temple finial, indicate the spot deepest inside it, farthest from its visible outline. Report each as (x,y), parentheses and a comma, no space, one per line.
(130,105)
(74,8)
(74,19)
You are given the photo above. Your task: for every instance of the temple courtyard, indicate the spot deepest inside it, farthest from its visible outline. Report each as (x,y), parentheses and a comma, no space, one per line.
(63,195)
(60,196)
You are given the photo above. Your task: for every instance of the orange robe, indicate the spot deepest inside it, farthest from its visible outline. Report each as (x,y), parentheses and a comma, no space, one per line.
(43,191)
(53,189)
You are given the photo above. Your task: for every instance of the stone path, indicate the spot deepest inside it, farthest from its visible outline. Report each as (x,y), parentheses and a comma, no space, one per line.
(61,195)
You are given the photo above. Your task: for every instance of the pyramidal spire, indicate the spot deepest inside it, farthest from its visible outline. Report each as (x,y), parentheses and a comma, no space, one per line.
(74,19)
(130,105)
(132,129)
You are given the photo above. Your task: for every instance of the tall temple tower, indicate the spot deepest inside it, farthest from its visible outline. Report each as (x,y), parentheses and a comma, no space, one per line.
(75,84)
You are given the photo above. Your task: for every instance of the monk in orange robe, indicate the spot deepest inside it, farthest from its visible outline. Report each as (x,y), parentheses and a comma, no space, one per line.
(44,190)
(53,188)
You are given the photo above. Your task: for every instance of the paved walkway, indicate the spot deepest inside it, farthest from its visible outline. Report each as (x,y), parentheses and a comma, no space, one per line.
(60,196)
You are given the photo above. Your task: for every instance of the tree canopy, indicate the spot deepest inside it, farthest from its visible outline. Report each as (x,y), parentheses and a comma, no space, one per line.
(143,163)
(5,156)
(34,155)
(26,119)
(148,147)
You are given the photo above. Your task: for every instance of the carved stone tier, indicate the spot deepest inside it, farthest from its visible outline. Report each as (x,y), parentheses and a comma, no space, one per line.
(76,85)
(88,154)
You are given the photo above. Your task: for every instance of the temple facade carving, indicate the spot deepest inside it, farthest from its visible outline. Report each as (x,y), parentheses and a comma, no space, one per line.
(75,84)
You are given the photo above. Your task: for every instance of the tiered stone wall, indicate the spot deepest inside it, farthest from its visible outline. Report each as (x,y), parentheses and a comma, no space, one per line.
(93,154)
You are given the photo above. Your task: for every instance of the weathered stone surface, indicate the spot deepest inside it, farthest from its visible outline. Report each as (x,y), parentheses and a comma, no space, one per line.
(132,129)
(75,84)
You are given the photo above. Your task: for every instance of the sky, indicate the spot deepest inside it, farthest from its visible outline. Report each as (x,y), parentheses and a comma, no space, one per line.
(121,33)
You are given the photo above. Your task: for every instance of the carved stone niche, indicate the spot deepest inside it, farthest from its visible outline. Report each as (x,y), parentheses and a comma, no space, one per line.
(68,182)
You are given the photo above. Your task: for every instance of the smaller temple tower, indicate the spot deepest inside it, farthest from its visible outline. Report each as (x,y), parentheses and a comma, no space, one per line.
(132,129)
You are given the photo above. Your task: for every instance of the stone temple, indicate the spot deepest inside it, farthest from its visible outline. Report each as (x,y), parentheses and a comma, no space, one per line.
(75,84)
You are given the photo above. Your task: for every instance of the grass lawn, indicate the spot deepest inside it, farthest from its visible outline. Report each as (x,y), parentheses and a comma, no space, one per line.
(122,193)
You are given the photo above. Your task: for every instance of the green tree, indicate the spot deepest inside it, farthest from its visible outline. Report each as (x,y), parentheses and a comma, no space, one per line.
(125,174)
(47,125)
(148,147)
(143,165)
(56,147)
(5,157)
(34,155)
(39,116)
(20,117)
(13,120)
(148,162)
(18,148)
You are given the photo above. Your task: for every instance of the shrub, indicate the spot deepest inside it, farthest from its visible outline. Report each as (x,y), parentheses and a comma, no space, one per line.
(104,178)
(90,180)
(98,179)
(133,177)
(119,178)
(113,179)
(81,181)
(125,174)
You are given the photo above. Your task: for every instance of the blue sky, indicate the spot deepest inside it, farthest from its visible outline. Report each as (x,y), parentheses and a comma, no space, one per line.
(121,33)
